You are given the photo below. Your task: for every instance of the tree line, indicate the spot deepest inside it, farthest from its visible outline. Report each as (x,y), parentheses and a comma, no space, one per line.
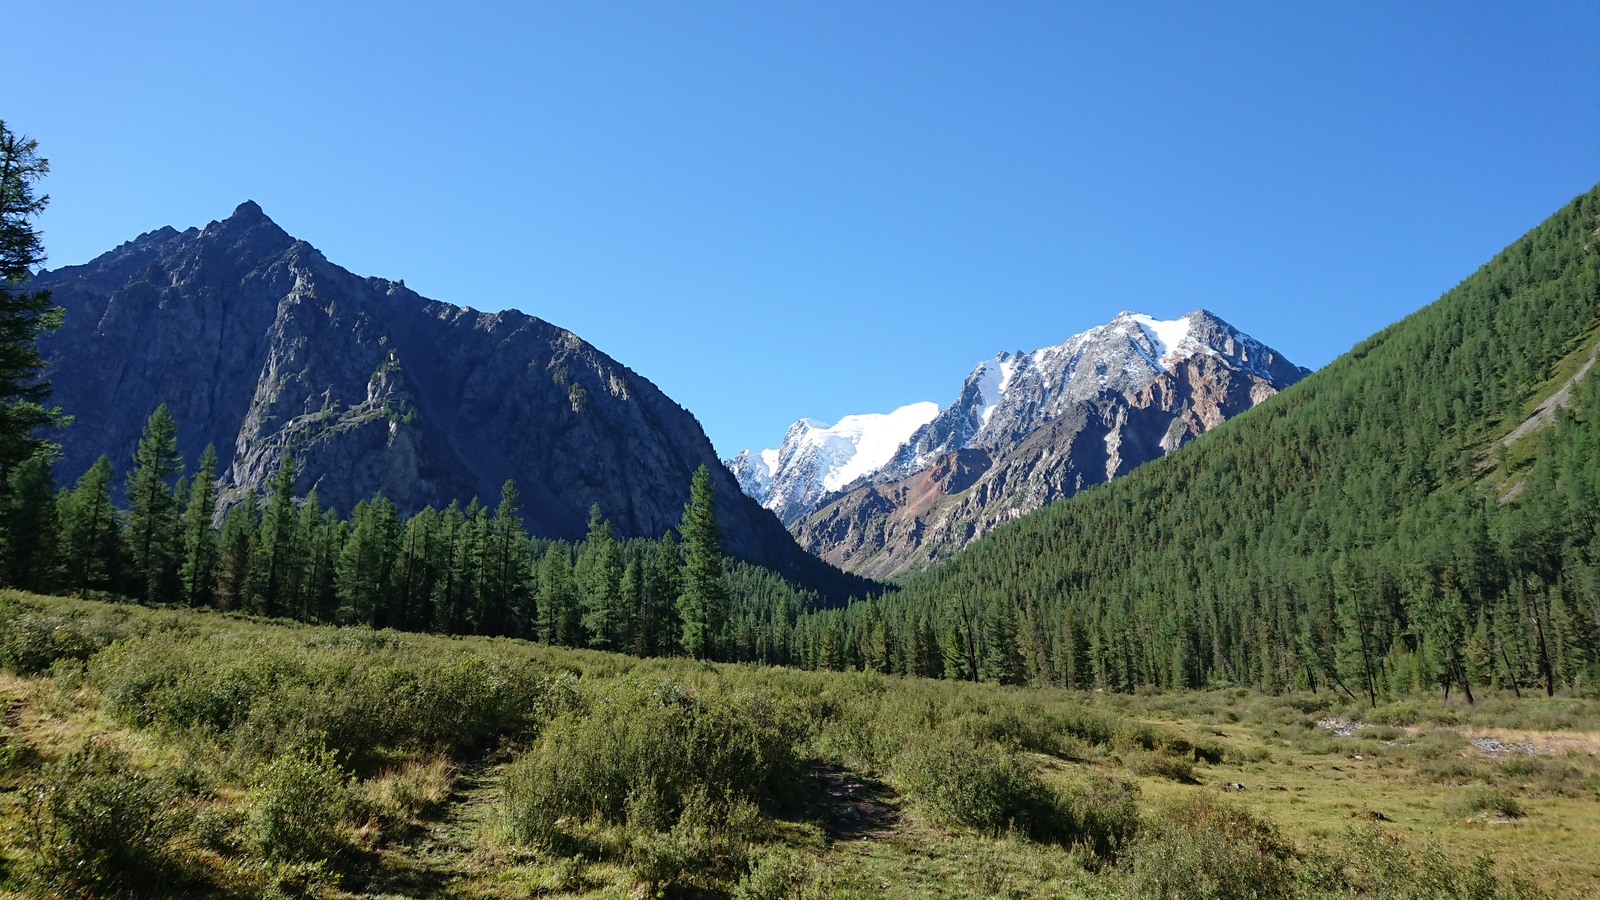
(460,570)
(1370,531)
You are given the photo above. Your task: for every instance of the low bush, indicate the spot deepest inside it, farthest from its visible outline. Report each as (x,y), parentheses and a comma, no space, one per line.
(706,848)
(31,642)
(1104,813)
(638,752)
(298,807)
(1161,764)
(1496,802)
(1379,733)
(365,695)
(1204,848)
(1373,864)
(777,875)
(1451,770)
(983,786)
(98,827)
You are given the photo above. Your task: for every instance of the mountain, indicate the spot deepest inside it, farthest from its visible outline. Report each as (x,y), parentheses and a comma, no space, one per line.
(817,459)
(1025,429)
(1421,513)
(263,347)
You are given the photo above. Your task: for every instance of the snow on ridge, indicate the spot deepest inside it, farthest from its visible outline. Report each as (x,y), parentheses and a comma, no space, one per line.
(993,377)
(872,438)
(816,457)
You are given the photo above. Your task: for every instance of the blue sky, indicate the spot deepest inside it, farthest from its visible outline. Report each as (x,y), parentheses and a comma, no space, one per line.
(815,209)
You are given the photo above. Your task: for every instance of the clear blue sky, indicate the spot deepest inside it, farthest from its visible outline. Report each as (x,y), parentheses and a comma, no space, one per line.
(813,209)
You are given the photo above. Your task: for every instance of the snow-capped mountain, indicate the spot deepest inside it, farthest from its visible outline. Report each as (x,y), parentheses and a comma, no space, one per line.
(816,459)
(1025,429)
(1012,394)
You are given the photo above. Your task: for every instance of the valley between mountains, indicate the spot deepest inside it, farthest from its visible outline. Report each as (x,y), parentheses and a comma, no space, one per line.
(327,589)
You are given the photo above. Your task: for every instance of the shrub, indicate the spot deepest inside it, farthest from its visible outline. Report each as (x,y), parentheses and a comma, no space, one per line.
(32,642)
(366,695)
(1379,733)
(297,807)
(705,846)
(982,786)
(1160,764)
(1104,814)
(776,875)
(1377,865)
(98,827)
(641,751)
(1203,848)
(1487,801)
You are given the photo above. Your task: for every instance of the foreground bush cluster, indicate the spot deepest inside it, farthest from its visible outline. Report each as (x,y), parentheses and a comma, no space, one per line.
(195,754)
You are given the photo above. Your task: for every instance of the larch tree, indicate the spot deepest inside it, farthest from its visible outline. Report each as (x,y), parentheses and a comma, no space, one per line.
(29,524)
(198,569)
(277,553)
(153,528)
(24,314)
(90,531)
(703,601)
(599,577)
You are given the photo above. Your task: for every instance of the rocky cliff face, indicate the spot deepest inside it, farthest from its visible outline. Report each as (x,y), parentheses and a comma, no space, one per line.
(261,346)
(1029,428)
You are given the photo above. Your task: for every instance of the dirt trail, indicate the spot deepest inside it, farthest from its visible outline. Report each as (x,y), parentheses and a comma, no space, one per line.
(858,808)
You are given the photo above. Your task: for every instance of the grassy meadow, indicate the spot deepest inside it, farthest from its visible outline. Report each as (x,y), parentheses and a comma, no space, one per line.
(174,752)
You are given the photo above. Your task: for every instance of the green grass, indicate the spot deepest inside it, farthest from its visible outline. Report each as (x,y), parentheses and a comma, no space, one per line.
(274,759)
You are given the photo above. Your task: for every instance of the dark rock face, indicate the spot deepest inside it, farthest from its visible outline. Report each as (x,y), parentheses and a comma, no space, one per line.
(261,346)
(1031,428)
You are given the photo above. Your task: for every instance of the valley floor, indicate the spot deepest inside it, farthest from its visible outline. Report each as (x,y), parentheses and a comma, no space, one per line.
(238,758)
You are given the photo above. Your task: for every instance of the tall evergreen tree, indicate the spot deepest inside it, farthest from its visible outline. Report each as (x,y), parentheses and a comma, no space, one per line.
(90,532)
(599,577)
(504,600)
(366,564)
(557,599)
(198,569)
(23,313)
(30,525)
(703,602)
(153,530)
(278,550)
(236,548)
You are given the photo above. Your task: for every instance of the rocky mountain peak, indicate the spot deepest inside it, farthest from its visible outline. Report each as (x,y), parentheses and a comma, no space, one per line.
(1048,422)
(262,347)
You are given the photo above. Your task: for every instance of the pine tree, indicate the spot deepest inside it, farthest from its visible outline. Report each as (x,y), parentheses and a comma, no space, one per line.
(599,577)
(90,545)
(366,564)
(703,602)
(504,600)
(23,314)
(635,601)
(235,549)
(557,599)
(665,575)
(278,551)
(153,529)
(198,569)
(321,538)
(30,524)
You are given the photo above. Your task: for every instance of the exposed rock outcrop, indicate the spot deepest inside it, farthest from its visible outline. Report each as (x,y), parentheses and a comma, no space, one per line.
(261,346)
(1030,428)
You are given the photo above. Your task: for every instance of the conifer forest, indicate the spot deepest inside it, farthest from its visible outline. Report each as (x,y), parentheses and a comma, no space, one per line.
(1344,645)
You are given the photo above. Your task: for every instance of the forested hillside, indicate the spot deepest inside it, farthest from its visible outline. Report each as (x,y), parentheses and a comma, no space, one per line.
(460,570)
(1374,529)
